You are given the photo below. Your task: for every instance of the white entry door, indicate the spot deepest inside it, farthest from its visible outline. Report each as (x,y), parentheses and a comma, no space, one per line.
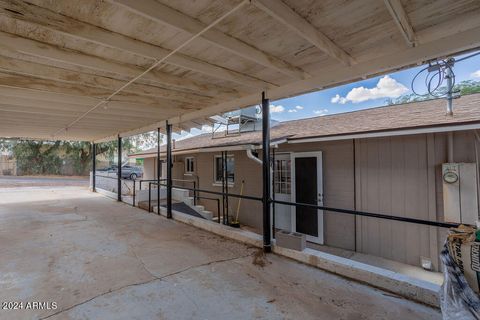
(282,187)
(307,187)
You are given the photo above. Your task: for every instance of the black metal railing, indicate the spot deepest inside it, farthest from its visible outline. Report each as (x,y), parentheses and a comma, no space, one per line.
(370,214)
(331,209)
(195,183)
(218,206)
(125,179)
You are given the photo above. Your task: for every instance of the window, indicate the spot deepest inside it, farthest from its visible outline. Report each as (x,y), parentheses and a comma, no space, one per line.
(189,165)
(282,176)
(230,169)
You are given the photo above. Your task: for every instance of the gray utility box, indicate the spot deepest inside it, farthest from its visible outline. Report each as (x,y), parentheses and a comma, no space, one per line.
(291,240)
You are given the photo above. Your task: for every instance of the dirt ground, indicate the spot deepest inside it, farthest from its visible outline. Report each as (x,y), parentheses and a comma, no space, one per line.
(94,258)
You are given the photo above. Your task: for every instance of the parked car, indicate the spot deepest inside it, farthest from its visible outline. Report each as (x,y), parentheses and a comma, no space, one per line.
(131,172)
(128,172)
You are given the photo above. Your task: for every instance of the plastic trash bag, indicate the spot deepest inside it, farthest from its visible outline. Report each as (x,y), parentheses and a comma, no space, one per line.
(457,299)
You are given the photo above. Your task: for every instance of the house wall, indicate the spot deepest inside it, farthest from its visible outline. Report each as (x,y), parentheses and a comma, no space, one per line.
(246,170)
(149,170)
(402,176)
(392,175)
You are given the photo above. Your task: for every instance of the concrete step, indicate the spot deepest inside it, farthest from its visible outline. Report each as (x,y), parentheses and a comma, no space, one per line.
(188,200)
(207,214)
(143,205)
(199,208)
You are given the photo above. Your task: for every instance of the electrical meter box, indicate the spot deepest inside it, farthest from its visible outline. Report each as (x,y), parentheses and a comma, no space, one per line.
(460,200)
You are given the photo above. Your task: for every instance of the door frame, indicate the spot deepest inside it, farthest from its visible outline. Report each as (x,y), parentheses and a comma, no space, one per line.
(279,156)
(319,156)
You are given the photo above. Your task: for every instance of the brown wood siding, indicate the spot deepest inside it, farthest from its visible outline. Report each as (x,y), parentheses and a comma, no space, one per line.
(402,176)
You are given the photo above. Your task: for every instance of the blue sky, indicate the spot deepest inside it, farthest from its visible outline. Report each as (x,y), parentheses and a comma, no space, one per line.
(359,95)
(320,103)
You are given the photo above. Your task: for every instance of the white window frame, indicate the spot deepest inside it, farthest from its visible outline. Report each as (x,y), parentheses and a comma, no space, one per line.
(192,159)
(219,182)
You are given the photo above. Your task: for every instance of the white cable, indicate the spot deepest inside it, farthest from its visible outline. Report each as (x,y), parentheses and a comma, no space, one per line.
(211,25)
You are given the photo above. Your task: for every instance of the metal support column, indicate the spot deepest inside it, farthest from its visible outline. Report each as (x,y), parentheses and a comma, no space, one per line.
(223,189)
(159,165)
(94,165)
(266,173)
(169,170)
(225,166)
(273,192)
(119,169)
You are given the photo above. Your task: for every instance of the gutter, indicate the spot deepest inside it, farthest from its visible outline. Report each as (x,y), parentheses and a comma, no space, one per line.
(384,133)
(238,147)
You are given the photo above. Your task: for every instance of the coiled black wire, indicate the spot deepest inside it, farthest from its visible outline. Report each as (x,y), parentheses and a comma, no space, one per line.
(435,74)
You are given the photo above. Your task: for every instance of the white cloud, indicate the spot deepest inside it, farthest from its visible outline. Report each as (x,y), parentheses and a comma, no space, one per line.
(299,107)
(320,112)
(338,99)
(292,110)
(276,109)
(386,88)
(476,74)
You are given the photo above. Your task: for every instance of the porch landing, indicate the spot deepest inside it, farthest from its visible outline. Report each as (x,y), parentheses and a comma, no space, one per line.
(100,259)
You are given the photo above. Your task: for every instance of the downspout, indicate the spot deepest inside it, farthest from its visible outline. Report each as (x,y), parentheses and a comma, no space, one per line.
(250,155)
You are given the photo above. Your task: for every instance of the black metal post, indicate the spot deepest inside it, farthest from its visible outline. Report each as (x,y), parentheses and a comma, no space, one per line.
(226,187)
(134,187)
(149,197)
(169,170)
(273,192)
(159,165)
(223,189)
(94,166)
(119,170)
(194,193)
(266,173)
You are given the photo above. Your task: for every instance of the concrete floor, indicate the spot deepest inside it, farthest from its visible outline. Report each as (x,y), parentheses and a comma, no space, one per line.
(99,259)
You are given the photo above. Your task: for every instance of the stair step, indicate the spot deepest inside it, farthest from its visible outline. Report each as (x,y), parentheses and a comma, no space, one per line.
(207,214)
(199,208)
(143,205)
(188,201)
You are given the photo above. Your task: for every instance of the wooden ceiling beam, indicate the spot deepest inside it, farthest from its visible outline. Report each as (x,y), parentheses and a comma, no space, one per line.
(27,82)
(165,15)
(7,103)
(17,93)
(27,68)
(283,13)
(23,117)
(401,20)
(96,66)
(468,21)
(41,18)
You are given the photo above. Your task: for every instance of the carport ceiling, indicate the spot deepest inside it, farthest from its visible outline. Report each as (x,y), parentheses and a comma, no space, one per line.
(59,59)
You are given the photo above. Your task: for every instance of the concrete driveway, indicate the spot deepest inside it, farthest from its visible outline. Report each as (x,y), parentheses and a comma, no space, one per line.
(42,181)
(94,258)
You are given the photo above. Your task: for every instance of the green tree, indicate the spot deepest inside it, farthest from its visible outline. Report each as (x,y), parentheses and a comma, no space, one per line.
(36,157)
(463,88)
(47,157)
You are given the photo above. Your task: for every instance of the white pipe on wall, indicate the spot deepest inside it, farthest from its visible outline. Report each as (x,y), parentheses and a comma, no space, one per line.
(450,147)
(250,155)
